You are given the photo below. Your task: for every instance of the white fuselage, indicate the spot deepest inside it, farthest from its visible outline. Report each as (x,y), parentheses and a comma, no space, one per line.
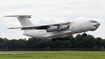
(74,27)
(53,30)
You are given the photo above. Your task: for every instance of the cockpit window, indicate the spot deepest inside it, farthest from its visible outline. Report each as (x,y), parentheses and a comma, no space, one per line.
(92,21)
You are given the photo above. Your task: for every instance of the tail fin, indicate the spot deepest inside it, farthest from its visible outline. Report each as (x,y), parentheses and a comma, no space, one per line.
(23,19)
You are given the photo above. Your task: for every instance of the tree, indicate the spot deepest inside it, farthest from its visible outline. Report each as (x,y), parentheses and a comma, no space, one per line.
(79,41)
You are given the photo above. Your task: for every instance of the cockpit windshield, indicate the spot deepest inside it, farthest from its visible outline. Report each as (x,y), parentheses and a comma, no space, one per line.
(92,21)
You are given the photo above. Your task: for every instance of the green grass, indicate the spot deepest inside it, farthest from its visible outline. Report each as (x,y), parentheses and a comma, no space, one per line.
(54,55)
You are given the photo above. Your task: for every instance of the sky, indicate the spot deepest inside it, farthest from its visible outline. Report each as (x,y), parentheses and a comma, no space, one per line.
(50,11)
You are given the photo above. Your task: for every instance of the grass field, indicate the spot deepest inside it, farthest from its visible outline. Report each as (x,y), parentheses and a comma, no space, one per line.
(52,54)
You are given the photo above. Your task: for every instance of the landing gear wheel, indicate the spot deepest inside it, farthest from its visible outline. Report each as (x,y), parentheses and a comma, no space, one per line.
(84,34)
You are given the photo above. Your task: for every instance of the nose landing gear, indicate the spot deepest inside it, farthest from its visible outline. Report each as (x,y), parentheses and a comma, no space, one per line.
(84,34)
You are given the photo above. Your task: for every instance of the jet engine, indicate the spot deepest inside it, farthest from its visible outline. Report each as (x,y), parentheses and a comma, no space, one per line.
(63,27)
(52,28)
(57,28)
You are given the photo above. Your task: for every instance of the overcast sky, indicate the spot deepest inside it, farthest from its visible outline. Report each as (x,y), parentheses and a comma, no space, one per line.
(50,11)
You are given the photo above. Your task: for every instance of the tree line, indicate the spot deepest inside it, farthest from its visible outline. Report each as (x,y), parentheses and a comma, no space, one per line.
(79,41)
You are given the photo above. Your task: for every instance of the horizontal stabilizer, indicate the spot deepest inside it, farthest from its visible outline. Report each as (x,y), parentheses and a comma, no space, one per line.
(23,19)
(17,15)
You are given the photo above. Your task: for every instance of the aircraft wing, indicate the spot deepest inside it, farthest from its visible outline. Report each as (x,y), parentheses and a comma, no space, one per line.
(39,27)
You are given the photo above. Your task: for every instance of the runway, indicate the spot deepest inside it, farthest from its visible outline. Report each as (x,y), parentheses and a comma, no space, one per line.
(28,52)
(53,52)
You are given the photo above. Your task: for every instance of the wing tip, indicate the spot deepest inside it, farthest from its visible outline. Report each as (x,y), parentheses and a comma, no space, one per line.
(6,16)
(10,28)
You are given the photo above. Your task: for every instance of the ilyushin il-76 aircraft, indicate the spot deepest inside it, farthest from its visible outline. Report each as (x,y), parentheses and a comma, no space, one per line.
(54,31)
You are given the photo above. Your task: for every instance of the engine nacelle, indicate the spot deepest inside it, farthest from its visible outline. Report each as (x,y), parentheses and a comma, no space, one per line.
(52,28)
(57,28)
(63,27)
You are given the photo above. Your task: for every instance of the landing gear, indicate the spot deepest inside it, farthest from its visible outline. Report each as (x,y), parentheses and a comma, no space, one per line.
(84,34)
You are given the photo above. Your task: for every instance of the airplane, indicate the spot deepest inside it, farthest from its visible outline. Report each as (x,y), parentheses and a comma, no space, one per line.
(56,30)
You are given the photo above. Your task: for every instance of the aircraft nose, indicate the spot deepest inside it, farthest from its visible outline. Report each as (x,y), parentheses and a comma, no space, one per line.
(95,26)
(98,24)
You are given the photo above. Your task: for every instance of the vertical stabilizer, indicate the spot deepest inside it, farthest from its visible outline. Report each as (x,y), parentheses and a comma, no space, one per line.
(23,19)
